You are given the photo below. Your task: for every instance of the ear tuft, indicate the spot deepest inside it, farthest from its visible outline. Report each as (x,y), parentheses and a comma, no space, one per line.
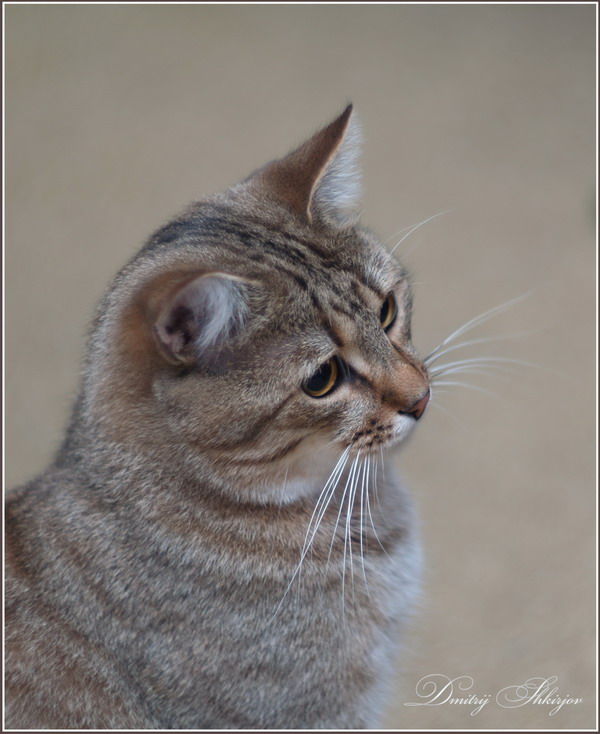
(201,316)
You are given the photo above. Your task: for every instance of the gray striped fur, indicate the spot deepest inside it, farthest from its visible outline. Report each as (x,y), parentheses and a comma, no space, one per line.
(152,568)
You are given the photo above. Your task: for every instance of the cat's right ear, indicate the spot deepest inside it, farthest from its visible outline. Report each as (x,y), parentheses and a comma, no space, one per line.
(199,316)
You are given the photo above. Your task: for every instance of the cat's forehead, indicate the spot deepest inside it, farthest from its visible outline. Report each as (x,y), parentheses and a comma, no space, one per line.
(279,250)
(306,254)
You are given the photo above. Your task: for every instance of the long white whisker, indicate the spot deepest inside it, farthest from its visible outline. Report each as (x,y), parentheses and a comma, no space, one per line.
(482,340)
(351,501)
(331,484)
(362,502)
(408,226)
(350,481)
(482,361)
(347,533)
(416,226)
(375,480)
(448,413)
(393,236)
(337,520)
(382,466)
(476,321)
(471,369)
(321,506)
(480,369)
(466,384)
(371,517)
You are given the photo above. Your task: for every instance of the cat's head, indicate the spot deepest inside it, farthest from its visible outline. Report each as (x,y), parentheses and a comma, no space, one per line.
(262,332)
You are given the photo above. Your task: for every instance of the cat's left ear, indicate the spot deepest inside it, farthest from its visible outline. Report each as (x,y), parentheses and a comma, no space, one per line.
(321,177)
(200,316)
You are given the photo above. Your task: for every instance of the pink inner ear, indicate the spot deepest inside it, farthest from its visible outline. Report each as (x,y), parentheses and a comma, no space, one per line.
(201,315)
(178,329)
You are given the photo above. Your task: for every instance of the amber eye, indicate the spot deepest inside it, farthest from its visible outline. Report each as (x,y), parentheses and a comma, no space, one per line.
(389,311)
(324,379)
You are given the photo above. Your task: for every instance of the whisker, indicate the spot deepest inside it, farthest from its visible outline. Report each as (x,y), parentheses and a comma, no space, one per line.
(371,516)
(331,482)
(482,340)
(393,236)
(416,226)
(329,488)
(347,533)
(474,322)
(484,369)
(403,229)
(354,494)
(375,482)
(349,482)
(448,413)
(362,549)
(466,384)
(382,466)
(337,520)
(376,488)
(483,361)
(324,505)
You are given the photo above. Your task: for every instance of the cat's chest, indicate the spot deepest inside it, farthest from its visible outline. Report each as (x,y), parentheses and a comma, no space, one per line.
(309,584)
(260,570)
(269,621)
(322,635)
(235,619)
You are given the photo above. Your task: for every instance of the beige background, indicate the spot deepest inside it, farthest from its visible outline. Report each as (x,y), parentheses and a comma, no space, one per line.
(117,116)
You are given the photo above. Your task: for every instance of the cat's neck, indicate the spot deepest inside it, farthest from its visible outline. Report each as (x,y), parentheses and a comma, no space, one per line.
(120,471)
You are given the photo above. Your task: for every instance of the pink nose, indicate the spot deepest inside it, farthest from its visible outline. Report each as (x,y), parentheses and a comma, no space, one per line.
(419,407)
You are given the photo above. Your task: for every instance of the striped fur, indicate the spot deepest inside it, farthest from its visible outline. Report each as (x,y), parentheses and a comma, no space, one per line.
(154,567)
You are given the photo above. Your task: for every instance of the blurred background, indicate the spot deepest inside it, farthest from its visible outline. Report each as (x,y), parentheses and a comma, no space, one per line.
(119,115)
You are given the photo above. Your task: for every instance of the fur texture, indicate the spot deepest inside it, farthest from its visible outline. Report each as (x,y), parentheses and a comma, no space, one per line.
(154,575)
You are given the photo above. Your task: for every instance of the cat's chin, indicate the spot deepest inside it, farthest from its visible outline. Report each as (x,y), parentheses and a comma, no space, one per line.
(389,436)
(402,428)
(303,473)
(313,463)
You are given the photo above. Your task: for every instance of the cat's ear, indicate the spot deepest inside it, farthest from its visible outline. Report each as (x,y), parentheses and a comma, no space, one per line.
(200,315)
(321,177)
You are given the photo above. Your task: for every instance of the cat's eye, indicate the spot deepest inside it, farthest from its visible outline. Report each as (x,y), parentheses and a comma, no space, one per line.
(324,379)
(388,313)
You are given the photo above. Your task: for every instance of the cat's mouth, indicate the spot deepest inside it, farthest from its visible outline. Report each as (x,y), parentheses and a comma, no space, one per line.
(379,435)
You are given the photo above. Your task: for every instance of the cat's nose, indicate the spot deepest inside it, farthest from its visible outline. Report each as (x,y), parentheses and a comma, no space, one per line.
(418,408)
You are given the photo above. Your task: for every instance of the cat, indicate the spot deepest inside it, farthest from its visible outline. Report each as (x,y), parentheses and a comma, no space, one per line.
(216,544)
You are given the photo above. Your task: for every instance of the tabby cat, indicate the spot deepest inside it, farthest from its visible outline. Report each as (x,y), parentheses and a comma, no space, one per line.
(217,543)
